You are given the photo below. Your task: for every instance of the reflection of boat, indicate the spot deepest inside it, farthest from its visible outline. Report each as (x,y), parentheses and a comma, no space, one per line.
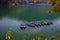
(47,22)
(23,26)
(35,24)
(31,24)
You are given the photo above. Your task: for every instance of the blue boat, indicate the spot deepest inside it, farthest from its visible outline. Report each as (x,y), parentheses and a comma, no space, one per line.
(31,24)
(37,23)
(48,22)
(23,26)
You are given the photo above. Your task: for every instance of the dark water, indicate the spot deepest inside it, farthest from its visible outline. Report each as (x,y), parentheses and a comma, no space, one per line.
(28,13)
(11,17)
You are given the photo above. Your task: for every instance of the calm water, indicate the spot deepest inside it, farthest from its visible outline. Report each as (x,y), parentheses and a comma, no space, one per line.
(11,17)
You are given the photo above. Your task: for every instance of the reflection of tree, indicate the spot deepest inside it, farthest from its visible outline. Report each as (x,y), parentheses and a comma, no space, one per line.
(55,6)
(35,1)
(52,38)
(58,38)
(53,2)
(9,35)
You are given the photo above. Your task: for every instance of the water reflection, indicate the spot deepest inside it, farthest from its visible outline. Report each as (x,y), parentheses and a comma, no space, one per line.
(7,23)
